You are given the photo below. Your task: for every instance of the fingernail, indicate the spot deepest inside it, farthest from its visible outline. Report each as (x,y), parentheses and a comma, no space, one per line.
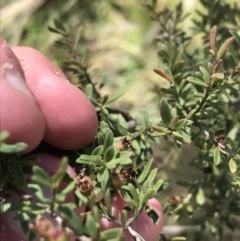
(15,79)
(11,69)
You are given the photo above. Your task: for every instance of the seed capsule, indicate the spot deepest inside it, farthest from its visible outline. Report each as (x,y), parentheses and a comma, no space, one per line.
(84,184)
(124,144)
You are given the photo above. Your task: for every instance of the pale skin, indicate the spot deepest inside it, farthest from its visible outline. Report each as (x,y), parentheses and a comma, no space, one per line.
(38,103)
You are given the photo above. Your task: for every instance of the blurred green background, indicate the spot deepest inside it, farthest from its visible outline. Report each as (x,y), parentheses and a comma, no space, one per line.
(121,37)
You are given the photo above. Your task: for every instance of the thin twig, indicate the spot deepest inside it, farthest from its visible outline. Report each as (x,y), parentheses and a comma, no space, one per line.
(86,74)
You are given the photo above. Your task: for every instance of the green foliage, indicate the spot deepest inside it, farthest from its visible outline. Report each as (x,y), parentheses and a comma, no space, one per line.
(196,108)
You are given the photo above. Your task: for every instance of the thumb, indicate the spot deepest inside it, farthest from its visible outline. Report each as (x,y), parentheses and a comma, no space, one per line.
(19,113)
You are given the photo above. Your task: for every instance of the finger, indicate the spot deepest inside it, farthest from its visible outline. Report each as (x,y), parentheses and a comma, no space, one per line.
(143,225)
(71,121)
(19,113)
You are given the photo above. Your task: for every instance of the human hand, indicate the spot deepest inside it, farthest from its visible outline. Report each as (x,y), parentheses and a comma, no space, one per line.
(38,103)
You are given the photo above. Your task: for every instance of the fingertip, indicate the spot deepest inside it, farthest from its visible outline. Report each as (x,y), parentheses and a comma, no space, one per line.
(21,118)
(20,115)
(31,55)
(7,57)
(71,120)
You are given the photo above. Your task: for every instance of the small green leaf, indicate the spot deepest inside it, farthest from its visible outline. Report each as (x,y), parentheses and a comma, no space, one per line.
(89,91)
(133,192)
(61,196)
(190,114)
(118,161)
(196,81)
(111,233)
(60,26)
(103,178)
(200,76)
(236,35)
(109,154)
(115,96)
(178,239)
(98,151)
(108,201)
(165,111)
(96,214)
(185,89)
(224,47)
(13,148)
(168,91)
(124,218)
(85,59)
(69,205)
(13,206)
(147,195)
(4,135)
(206,75)
(152,176)
(81,197)
(92,227)
(41,177)
(182,123)
(232,166)
(104,113)
(104,99)
(157,185)
(183,139)
(108,140)
(216,156)
(85,159)
(163,186)
(144,172)
(94,101)
(199,95)
(57,177)
(122,121)
(103,82)
(200,198)
(130,202)
(189,209)
(38,192)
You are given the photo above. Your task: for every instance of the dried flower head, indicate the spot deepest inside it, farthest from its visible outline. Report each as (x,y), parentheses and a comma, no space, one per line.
(45,228)
(84,184)
(124,144)
(174,200)
(120,176)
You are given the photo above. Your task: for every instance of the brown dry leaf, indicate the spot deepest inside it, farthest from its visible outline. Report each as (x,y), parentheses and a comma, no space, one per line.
(213,39)
(162,74)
